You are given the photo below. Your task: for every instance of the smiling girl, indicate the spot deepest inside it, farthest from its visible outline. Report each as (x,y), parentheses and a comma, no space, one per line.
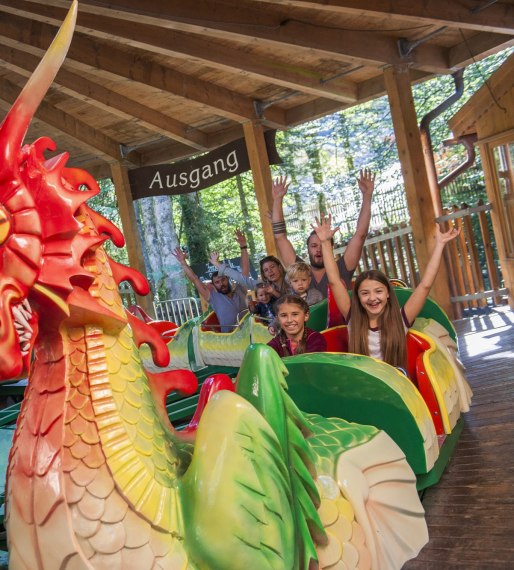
(377,325)
(294,337)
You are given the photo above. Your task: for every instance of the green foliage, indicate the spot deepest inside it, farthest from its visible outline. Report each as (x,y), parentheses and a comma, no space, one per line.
(223,212)
(106,204)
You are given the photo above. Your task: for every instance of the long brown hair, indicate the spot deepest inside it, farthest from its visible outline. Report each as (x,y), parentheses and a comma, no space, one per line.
(293,300)
(392,339)
(282,286)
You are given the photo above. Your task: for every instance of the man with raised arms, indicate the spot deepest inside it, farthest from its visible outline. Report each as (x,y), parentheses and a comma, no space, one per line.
(348,262)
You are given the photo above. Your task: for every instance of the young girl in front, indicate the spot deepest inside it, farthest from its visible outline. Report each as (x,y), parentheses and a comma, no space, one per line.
(294,337)
(377,325)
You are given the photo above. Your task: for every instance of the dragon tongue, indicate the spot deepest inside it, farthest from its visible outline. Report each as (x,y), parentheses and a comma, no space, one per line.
(85,309)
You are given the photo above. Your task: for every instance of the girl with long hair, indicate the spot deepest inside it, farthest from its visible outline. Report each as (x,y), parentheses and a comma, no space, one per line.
(293,336)
(377,325)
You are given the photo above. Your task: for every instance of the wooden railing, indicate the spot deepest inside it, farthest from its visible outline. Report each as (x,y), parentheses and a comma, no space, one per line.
(390,250)
(473,270)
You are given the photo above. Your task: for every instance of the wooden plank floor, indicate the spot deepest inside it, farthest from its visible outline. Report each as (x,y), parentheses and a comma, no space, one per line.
(470,513)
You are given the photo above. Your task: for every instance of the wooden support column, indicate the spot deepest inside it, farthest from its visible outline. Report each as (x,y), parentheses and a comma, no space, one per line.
(129,226)
(417,187)
(258,155)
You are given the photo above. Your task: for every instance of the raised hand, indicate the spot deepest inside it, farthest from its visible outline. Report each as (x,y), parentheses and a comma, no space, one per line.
(366,182)
(179,255)
(214,258)
(323,228)
(279,188)
(444,237)
(240,238)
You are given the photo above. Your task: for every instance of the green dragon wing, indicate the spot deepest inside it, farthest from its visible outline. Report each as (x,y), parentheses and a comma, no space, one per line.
(236,495)
(262,382)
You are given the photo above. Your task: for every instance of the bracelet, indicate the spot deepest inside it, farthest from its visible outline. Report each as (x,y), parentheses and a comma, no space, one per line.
(243,247)
(279,227)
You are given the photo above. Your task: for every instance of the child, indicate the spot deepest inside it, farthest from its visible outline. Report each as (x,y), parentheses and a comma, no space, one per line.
(373,307)
(299,277)
(264,305)
(294,337)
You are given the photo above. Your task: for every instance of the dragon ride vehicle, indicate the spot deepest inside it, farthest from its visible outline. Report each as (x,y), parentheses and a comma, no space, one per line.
(421,411)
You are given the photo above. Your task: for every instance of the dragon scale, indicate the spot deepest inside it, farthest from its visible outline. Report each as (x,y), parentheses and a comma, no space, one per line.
(100,415)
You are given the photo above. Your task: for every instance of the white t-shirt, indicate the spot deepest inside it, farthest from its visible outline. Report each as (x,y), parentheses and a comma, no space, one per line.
(374,338)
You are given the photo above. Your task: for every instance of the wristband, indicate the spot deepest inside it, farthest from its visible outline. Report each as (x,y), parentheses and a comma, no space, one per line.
(243,247)
(279,228)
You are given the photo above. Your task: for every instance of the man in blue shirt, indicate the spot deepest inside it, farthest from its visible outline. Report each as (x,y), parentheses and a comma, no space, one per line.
(227,301)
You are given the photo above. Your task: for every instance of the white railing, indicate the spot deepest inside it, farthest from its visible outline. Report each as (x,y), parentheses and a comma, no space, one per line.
(177,310)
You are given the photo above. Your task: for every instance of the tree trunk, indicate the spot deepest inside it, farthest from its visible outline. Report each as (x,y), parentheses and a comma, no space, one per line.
(173,280)
(247,228)
(194,226)
(154,268)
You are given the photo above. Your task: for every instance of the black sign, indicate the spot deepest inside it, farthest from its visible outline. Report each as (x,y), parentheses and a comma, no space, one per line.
(205,270)
(198,173)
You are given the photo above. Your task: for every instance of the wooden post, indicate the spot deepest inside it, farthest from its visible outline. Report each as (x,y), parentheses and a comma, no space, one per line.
(417,188)
(130,230)
(258,155)
(502,232)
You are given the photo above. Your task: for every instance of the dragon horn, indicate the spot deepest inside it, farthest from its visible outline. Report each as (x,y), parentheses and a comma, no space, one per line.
(16,123)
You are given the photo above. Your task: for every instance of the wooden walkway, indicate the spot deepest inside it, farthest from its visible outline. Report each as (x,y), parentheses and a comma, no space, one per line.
(470,513)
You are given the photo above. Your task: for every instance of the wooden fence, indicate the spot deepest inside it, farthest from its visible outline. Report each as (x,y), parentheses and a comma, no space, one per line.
(473,270)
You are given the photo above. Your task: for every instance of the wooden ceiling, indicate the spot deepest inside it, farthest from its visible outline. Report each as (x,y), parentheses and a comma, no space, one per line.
(150,81)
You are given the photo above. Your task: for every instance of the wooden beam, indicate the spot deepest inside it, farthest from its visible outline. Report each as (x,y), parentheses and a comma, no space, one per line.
(296,77)
(97,141)
(417,188)
(89,86)
(494,17)
(477,47)
(371,48)
(313,110)
(129,225)
(259,162)
(98,49)
(171,150)
(375,87)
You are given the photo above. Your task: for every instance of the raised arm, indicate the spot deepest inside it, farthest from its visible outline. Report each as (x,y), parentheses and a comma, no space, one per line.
(325,234)
(353,250)
(284,246)
(245,258)
(245,280)
(415,302)
(202,288)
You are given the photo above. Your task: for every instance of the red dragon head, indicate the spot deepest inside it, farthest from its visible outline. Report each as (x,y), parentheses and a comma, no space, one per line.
(49,236)
(25,225)
(43,238)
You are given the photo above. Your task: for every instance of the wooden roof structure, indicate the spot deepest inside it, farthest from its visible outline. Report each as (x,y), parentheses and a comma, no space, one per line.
(152,81)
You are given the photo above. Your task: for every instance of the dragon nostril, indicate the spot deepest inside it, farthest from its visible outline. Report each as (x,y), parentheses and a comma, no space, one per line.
(5,224)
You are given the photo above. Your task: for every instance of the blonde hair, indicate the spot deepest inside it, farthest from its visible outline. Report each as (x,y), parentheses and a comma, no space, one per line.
(299,267)
(393,343)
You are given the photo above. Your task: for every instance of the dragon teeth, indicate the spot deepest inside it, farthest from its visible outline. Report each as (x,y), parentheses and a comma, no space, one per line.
(20,317)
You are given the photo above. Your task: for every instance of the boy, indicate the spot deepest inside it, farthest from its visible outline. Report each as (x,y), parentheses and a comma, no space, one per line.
(263,307)
(299,277)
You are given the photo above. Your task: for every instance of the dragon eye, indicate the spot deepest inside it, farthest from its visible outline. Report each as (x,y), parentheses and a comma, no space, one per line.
(5,224)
